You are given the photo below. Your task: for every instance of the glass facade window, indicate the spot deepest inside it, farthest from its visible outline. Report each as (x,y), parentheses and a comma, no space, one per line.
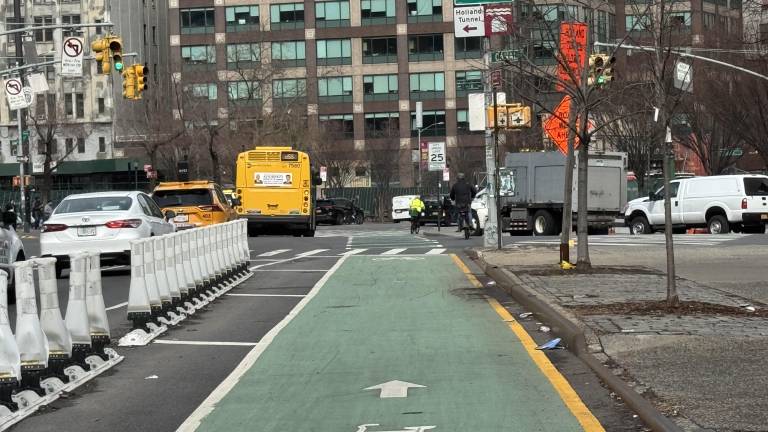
(335,89)
(291,89)
(680,21)
(242,18)
(332,14)
(468,82)
(428,85)
(197,57)
(382,125)
(428,47)
(380,88)
(198,20)
(43,35)
(469,48)
(462,123)
(378,12)
(243,56)
(425,11)
(289,53)
(70,19)
(338,125)
(380,50)
(429,118)
(334,52)
(709,20)
(637,23)
(286,16)
(202,91)
(243,92)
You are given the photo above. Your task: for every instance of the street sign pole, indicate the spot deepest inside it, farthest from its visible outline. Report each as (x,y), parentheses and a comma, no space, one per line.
(490,238)
(496,188)
(22,185)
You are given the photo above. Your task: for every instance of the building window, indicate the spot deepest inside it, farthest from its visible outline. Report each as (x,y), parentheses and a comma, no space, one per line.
(680,21)
(428,85)
(202,91)
(70,19)
(425,11)
(198,57)
(382,125)
(98,28)
(80,105)
(286,16)
(339,125)
(40,147)
(289,89)
(336,89)
(429,118)
(427,47)
(69,109)
(81,145)
(43,35)
(289,53)
(69,145)
(380,87)
(332,14)
(102,145)
(334,52)
(243,56)
(380,50)
(243,92)
(378,12)
(468,82)
(602,26)
(469,48)
(242,18)
(709,20)
(462,123)
(637,23)
(199,20)
(101,105)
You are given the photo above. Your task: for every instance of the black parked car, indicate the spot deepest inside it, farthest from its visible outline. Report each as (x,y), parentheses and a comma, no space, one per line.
(338,211)
(352,213)
(434,207)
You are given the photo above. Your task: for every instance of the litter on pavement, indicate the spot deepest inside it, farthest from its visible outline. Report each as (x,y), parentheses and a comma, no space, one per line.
(545,329)
(553,344)
(525,314)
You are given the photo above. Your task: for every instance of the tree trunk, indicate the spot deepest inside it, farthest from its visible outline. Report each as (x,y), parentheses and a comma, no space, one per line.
(567,221)
(583,262)
(214,159)
(153,161)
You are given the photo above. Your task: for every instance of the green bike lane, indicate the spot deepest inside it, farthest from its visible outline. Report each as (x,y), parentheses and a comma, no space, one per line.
(452,360)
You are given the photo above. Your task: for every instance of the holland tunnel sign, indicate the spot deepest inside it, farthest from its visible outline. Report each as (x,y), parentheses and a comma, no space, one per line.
(469,21)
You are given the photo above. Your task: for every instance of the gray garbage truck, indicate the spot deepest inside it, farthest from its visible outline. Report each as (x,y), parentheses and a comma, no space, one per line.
(531,186)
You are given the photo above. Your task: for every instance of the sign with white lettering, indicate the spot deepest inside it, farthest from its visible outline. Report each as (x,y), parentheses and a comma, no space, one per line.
(72,57)
(14,93)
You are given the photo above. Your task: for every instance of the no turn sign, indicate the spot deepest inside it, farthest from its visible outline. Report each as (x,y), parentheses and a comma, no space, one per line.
(14,93)
(72,57)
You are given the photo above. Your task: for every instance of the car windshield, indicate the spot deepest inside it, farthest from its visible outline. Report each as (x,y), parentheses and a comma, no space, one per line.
(183,197)
(94,204)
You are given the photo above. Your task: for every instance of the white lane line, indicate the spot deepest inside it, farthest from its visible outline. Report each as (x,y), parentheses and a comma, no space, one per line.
(274,252)
(263,259)
(354,251)
(294,258)
(291,270)
(203,343)
(389,245)
(310,253)
(394,251)
(193,421)
(265,295)
(117,306)
(436,251)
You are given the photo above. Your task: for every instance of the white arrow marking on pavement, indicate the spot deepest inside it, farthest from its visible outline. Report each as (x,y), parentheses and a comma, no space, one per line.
(394,389)
(393,251)
(274,252)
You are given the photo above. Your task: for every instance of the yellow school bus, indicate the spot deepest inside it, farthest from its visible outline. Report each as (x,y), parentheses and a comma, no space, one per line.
(275,187)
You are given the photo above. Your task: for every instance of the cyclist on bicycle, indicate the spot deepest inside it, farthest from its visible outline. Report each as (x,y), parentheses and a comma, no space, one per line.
(462,194)
(416,209)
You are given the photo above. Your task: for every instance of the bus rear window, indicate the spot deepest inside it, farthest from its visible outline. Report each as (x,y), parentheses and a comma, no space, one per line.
(756,186)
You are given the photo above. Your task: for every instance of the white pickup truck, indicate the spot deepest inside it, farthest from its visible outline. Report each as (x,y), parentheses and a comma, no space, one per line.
(720,203)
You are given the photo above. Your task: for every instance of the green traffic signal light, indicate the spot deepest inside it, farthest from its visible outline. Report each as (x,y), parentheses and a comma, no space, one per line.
(118,66)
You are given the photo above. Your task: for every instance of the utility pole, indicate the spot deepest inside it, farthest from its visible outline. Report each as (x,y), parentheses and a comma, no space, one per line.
(22,121)
(492,231)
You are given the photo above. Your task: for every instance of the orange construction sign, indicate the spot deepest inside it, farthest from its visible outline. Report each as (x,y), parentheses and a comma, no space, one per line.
(573,49)
(556,125)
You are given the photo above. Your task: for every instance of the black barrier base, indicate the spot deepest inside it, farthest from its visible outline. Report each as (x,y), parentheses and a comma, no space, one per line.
(31,376)
(139,319)
(8,386)
(167,307)
(98,343)
(79,353)
(157,310)
(56,365)
(176,302)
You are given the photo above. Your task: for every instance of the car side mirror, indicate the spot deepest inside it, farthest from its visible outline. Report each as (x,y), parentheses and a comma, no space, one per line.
(9,218)
(236,202)
(169,214)
(652,196)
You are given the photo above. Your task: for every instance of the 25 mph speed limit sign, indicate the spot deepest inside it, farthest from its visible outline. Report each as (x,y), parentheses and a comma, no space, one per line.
(437,156)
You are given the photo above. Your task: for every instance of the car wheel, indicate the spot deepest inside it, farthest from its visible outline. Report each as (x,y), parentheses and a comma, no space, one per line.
(718,224)
(640,225)
(339,219)
(476,226)
(543,223)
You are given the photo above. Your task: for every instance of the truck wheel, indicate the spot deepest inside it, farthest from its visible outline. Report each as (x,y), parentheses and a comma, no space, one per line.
(476,225)
(543,223)
(640,225)
(718,224)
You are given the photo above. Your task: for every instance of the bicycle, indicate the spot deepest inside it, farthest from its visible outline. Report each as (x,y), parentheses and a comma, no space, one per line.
(415,221)
(464,223)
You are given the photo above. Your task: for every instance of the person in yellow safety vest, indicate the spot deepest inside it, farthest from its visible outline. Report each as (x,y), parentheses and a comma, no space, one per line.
(416,208)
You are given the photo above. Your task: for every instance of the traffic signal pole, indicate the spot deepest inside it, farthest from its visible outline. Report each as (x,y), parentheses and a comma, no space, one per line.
(492,229)
(19,48)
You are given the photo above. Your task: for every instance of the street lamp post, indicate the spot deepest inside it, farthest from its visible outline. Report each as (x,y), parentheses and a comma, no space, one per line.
(419,145)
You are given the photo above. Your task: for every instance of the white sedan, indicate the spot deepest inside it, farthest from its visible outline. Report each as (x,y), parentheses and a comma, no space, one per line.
(104,222)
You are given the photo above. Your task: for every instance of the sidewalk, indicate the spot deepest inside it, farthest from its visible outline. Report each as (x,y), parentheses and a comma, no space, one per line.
(704,366)
(379,345)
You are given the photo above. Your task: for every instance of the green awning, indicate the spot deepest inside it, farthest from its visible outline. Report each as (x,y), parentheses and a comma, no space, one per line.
(76,167)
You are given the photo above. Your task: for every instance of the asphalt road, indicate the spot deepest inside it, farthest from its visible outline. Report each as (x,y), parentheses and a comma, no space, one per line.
(158,386)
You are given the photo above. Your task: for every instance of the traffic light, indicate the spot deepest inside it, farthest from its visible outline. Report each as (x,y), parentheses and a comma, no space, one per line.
(608,71)
(101,48)
(596,63)
(139,72)
(129,83)
(116,47)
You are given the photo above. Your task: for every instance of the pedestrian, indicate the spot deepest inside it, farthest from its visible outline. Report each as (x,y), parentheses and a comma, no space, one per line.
(462,194)
(37,213)
(10,209)
(48,210)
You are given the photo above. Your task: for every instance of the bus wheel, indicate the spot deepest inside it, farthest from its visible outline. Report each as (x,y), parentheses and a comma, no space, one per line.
(252,232)
(309,233)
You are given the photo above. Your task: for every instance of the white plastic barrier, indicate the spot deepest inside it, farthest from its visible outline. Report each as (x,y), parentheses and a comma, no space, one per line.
(32,343)
(10,358)
(76,317)
(94,301)
(190,268)
(51,320)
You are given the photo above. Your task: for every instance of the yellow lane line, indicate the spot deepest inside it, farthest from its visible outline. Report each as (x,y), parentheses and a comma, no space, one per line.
(572,400)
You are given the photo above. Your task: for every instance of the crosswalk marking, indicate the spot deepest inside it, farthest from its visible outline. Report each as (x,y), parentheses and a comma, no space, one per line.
(354,251)
(312,252)
(274,252)
(394,251)
(437,251)
(265,295)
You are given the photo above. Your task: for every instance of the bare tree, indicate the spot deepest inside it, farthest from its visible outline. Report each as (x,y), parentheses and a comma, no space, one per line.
(383,153)
(328,150)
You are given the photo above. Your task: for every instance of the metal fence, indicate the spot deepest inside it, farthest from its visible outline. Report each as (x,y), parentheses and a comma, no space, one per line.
(376,202)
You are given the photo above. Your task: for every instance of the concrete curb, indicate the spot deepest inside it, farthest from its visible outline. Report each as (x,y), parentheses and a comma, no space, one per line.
(573,334)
